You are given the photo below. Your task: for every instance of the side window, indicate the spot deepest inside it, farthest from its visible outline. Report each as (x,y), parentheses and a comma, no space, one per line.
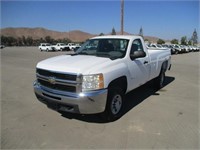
(136,46)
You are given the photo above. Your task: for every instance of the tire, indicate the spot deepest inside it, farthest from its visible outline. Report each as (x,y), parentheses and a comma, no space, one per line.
(115,104)
(159,81)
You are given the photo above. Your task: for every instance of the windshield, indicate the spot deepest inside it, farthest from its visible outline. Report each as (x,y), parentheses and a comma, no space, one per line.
(110,48)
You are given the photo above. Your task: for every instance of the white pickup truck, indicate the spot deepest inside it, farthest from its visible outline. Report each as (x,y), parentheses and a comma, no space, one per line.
(72,46)
(45,47)
(60,47)
(96,78)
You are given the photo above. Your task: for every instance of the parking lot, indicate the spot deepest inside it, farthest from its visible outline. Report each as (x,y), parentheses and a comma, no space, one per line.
(164,119)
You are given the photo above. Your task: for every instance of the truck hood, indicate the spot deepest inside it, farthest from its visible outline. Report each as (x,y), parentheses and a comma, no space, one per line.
(79,64)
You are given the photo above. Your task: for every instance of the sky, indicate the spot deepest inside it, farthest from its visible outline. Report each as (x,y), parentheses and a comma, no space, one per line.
(163,19)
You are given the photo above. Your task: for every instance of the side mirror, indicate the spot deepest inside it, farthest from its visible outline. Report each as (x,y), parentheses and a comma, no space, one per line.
(137,54)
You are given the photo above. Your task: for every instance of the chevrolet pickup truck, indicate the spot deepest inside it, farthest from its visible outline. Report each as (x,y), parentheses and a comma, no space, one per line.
(45,47)
(60,47)
(96,78)
(72,46)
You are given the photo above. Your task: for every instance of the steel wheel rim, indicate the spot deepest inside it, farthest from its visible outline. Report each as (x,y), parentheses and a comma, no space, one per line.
(116,104)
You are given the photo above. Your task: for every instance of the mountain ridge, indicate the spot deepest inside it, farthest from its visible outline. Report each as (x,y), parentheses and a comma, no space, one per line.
(40,32)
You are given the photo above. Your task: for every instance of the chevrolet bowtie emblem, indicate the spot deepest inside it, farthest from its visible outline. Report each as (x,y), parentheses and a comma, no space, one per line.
(52,80)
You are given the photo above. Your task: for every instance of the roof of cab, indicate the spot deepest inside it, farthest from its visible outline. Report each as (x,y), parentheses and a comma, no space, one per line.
(117,37)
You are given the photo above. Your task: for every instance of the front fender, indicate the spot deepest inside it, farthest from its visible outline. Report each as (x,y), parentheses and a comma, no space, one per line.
(114,72)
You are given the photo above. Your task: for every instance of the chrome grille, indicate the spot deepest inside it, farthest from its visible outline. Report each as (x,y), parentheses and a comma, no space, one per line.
(59,81)
(63,76)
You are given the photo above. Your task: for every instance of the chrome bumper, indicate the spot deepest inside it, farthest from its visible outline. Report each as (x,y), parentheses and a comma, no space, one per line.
(83,103)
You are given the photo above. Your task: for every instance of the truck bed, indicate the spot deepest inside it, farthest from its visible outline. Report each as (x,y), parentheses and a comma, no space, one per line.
(158,56)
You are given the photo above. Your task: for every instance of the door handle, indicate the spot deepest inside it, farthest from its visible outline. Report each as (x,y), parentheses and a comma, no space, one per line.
(146,62)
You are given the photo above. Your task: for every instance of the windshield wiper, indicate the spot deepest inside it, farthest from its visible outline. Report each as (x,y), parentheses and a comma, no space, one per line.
(82,53)
(103,55)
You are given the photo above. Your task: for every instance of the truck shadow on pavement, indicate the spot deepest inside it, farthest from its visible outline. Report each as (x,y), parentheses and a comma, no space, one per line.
(132,99)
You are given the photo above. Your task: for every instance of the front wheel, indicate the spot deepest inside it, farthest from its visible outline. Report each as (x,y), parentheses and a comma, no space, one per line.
(115,104)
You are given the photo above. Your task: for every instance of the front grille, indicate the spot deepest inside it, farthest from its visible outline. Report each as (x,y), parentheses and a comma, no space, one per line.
(61,81)
(59,87)
(57,75)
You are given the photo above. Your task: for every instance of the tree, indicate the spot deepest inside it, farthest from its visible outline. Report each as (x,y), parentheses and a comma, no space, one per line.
(19,41)
(29,41)
(174,41)
(146,40)
(113,31)
(194,37)
(189,42)
(160,41)
(11,41)
(184,40)
(3,40)
(23,40)
(101,34)
(48,39)
(66,40)
(141,32)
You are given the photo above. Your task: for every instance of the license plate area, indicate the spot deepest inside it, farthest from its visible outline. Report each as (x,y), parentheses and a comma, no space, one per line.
(60,107)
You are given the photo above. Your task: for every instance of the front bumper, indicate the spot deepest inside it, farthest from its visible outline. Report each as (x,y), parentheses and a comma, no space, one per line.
(83,103)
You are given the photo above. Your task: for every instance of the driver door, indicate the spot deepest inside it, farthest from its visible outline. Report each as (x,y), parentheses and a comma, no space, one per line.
(139,68)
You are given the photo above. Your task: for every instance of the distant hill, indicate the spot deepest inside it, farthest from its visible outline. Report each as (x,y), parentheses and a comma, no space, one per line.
(37,33)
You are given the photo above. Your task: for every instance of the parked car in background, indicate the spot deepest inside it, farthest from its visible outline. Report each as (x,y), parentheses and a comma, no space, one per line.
(60,47)
(45,47)
(77,47)
(71,46)
(2,46)
(171,47)
(178,48)
(195,48)
(190,48)
(156,46)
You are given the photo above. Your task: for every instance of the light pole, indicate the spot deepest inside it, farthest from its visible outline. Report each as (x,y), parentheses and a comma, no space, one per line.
(122,17)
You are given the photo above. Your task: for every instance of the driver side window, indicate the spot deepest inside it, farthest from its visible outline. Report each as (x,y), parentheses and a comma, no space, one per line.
(136,46)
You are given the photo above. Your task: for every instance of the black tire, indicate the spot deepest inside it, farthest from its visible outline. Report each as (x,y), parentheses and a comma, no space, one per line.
(159,81)
(115,104)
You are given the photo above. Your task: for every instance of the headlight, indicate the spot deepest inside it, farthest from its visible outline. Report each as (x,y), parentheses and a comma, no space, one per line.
(92,82)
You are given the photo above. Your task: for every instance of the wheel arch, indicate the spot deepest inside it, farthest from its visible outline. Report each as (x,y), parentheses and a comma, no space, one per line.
(119,82)
(164,66)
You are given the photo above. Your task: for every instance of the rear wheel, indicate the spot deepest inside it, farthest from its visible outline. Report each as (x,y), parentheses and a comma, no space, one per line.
(115,104)
(159,81)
